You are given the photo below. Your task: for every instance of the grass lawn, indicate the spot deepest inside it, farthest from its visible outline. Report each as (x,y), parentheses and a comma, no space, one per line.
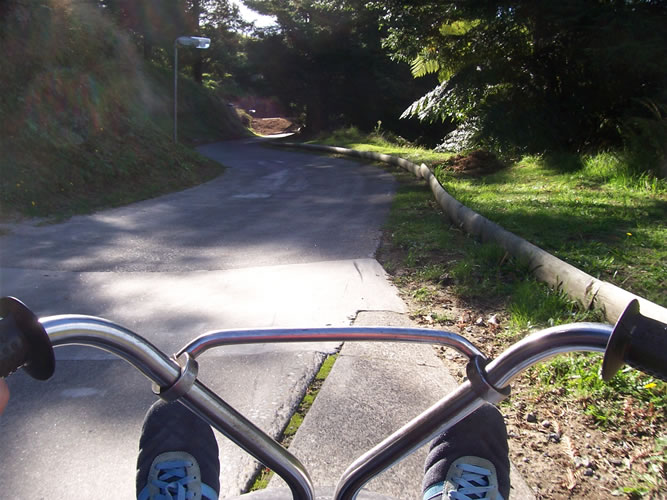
(587,210)
(590,214)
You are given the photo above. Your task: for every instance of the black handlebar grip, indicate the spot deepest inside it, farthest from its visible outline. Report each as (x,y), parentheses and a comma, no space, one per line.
(23,341)
(639,341)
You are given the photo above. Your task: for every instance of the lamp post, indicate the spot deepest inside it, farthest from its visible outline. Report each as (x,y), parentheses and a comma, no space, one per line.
(196,42)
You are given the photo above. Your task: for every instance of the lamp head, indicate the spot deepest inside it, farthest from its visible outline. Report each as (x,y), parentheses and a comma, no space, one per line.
(195,42)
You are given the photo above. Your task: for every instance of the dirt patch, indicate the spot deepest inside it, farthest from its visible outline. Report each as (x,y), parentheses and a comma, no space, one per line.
(272,126)
(475,164)
(556,447)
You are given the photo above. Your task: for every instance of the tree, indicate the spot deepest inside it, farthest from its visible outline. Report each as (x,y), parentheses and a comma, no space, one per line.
(221,21)
(534,74)
(326,59)
(157,23)
(153,23)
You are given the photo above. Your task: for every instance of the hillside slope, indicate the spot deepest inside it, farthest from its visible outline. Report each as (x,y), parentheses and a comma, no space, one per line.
(85,123)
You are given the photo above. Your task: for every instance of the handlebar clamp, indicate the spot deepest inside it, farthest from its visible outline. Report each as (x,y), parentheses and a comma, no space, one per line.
(187,377)
(476,373)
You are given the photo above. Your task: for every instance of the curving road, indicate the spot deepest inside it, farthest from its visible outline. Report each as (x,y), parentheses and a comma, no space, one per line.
(281,239)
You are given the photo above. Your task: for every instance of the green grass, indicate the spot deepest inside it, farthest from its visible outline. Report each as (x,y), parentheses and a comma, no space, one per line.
(549,307)
(326,368)
(265,475)
(380,142)
(653,480)
(261,482)
(309,398)
(577,378)
(593,211)
(596,216)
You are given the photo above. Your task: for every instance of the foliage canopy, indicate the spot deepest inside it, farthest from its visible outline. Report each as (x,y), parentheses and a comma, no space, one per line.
(327,60)
(533,74)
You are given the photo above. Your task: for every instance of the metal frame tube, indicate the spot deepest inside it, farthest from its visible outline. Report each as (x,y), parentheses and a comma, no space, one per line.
(465,399)
(412,436)
(105,335)
(251,438)
(164,371)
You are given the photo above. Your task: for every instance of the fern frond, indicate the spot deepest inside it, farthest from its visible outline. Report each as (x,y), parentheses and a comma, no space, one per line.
(423,65)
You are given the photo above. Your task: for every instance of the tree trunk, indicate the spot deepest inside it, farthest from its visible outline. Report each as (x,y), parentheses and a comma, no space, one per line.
(198,64)
(314,118)
(198,67)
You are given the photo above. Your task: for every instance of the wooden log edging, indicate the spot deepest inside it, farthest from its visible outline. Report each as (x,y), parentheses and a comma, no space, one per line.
(577,284)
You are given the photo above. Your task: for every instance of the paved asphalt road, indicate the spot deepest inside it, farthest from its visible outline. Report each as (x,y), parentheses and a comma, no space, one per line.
(281,239)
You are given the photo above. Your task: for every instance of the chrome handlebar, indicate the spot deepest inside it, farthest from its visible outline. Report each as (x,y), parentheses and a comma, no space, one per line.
(176,378)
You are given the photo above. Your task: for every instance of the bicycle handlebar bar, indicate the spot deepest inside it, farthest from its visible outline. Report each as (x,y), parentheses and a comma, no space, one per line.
(28,342)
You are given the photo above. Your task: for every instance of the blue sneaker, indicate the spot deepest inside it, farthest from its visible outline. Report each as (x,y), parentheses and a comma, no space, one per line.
(470,461)
(468,478)
(178,456)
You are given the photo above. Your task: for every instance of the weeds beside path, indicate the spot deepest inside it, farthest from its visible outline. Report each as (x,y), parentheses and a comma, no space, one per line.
(570,435)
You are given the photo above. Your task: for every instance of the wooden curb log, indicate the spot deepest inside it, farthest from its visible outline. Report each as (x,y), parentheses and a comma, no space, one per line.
(590,291)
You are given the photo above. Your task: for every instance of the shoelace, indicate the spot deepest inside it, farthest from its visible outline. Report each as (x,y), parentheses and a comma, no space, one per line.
(172,483)
(473,484)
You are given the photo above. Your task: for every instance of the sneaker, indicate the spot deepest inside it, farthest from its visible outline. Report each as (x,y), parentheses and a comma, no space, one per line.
(470,460)
(178,456)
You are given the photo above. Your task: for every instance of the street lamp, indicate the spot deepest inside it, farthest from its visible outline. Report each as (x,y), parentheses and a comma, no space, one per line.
(195,42)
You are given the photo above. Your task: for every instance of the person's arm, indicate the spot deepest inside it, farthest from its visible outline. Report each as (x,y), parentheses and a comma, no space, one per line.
(4,395)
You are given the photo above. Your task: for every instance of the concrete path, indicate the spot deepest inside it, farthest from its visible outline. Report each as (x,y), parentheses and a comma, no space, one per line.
(373,390)
(282,239)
